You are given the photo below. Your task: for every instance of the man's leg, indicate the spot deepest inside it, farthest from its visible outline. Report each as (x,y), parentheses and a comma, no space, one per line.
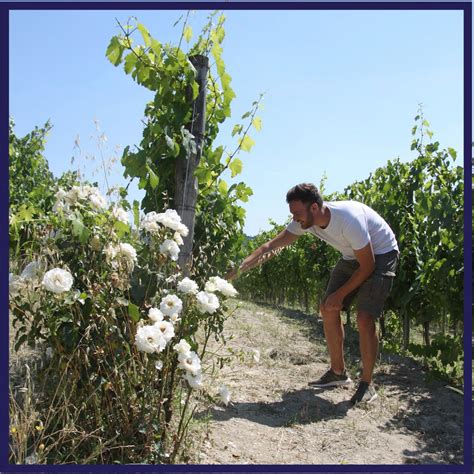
(369,344)
(334,333)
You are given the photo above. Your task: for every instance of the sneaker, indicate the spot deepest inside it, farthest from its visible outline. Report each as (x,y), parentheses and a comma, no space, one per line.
(331,379)
(365,393)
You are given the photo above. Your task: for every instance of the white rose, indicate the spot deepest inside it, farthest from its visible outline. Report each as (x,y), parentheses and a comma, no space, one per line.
(178,239)
(150,339)
(190,362)
(194,381)
(166,328)
(174,318)
(170,218)
(207,302)
(170,247)
(182,346)
(219,284)
(57,280)
(155,315)
(97,201)
(170,305)
(182,230)
(120,214)
(187,286)
(110,252)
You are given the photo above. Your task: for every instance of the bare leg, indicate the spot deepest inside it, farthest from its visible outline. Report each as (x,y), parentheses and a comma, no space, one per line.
(334,333)
(369,344)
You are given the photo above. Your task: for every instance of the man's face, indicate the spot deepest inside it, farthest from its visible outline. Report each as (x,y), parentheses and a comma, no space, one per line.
(302,213)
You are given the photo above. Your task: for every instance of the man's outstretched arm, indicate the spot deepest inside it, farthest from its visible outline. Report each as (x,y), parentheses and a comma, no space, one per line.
(283,239)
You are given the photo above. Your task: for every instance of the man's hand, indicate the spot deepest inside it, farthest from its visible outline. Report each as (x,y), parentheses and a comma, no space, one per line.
(263,253)
(334,302)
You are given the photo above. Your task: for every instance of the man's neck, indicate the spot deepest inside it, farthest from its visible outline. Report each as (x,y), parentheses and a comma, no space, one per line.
(324,217)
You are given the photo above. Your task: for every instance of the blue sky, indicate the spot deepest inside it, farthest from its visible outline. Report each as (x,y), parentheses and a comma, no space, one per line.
(341,90)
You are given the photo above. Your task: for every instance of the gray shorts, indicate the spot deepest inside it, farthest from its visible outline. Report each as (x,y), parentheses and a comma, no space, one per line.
(371,295)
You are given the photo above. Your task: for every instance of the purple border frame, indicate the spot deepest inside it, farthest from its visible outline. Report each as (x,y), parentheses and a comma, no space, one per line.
(465,6)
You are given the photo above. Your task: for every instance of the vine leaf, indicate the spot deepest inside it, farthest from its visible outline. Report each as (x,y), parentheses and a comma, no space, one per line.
(246,143)
(145,34)
(114,51)
(257,123)
(188,33)
(235,167)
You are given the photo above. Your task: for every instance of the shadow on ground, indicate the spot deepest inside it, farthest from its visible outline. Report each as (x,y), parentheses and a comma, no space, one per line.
(298,407)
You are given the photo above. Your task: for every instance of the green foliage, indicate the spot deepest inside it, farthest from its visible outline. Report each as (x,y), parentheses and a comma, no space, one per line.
(443,357)
(168,71)
(422,202)
(31,181)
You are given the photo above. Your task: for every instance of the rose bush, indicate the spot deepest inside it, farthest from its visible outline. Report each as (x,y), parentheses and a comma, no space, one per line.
(119,325)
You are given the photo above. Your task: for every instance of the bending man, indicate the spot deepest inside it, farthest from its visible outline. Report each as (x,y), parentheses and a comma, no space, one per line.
(366,270)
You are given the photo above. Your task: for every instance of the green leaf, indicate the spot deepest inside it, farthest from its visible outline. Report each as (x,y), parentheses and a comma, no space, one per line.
(188,33)
(235,167)
(143,73)
(142,183)
(246,143)
(136,213)
(25,213)
(247,114)
(429,133)
(413,130)
(257,123)
(145,34)
(223,188)
(134,312)
(130,63)
(220,66)
(452,152)
(243,192)
(204,175)
(153,178)
(426,123)
(237,129)
(156,46)
(195,88)
(225,80)
(121,228)
(114,51)
(79,230)
(216,51)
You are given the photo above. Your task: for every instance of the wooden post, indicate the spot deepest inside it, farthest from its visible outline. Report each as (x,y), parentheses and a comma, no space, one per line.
(186,189)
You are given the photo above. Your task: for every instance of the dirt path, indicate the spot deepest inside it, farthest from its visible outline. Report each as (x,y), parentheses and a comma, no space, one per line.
(274,417)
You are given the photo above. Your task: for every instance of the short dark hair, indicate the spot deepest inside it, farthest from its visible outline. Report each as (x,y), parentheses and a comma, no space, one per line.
(305,192)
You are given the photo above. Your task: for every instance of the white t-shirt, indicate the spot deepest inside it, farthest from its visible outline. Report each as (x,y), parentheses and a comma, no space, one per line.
(351,227)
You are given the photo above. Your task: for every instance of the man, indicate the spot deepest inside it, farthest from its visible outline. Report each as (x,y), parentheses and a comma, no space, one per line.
(366,270)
